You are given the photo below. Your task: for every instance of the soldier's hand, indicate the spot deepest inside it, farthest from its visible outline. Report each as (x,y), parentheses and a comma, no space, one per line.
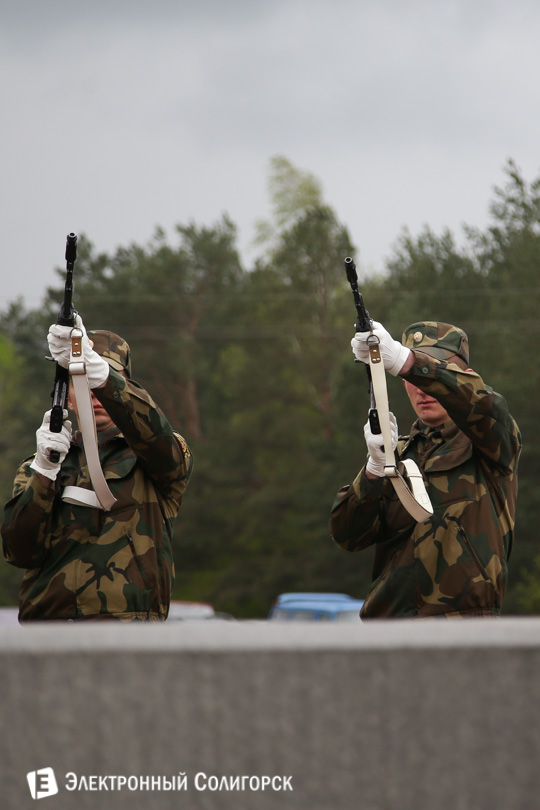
(59,340)
(394,354)
(47,442)
(376,461)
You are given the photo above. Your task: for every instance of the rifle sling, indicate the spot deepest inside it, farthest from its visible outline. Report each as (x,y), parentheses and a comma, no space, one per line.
(101,497)
(405,476)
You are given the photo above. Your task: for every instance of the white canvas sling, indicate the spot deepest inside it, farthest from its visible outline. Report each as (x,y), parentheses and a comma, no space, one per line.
(404,475)
(101,496)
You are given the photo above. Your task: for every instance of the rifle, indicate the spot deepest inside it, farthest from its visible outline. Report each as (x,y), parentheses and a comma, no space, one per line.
(363,324)
(405,476)
(66,317)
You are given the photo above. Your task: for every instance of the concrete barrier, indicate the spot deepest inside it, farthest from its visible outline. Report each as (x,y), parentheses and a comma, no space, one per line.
(253,716)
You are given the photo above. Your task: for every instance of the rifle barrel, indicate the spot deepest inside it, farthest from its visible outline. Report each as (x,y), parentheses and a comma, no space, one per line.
(66,317)
(363,324)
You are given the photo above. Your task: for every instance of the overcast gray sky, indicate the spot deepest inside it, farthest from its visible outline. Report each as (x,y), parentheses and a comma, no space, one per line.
(122,115)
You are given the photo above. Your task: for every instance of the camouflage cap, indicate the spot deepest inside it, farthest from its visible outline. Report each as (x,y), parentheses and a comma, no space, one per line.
(440,340)
(114,349)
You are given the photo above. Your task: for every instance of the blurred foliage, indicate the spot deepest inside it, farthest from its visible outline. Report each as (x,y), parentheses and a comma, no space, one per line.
(253,367)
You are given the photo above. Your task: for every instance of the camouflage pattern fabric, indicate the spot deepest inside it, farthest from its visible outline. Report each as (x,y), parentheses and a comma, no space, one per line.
(454,563)
(443,341)
(84,563)
(114,349)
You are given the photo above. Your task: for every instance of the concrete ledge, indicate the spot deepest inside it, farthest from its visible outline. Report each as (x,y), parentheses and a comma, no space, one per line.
(375,716)
(219,636)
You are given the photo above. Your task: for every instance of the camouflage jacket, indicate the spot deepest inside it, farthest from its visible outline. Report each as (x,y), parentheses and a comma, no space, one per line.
(84,563)
(454,563)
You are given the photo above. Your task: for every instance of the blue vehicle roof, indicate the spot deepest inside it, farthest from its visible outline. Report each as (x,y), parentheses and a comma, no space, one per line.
(341,598)
(317,602)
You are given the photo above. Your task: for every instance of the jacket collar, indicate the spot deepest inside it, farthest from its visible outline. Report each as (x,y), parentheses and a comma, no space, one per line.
(452,447)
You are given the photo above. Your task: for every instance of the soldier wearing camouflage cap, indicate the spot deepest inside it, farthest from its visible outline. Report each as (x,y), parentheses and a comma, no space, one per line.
(467,446)
(84,562)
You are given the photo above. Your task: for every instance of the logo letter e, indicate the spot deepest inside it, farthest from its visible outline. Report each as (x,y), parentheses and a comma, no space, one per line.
(42,783)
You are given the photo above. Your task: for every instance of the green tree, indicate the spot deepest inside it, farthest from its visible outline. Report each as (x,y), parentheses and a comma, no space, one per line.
(284,436)
(254,368)
(12,382)
(491,288)
(508,255)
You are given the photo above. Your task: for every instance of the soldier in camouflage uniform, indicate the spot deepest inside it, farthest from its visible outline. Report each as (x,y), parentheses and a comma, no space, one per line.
(83,562)
(467,446)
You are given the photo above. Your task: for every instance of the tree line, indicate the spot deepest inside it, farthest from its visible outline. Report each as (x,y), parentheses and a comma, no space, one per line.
(253,366)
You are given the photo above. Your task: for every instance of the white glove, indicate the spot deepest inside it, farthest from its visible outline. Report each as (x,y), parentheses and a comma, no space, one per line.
(376,461)
(47,441)
(59,339)
(393,353)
